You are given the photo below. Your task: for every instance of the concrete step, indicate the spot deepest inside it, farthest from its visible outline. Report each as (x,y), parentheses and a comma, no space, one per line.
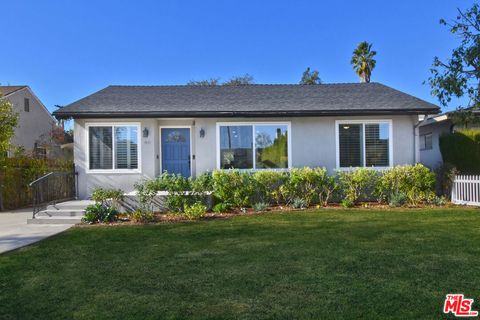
(71,205)
(61,213)
(55,220)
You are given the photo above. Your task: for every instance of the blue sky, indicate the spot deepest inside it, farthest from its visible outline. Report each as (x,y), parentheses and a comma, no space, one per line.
(65,50)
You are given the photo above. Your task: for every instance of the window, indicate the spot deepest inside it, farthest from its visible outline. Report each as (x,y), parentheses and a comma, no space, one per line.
(426,141)
(113,147)
(253,146)
(363,144)
(26,105)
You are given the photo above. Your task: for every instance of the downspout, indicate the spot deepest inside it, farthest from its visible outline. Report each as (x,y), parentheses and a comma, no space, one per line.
(416,139)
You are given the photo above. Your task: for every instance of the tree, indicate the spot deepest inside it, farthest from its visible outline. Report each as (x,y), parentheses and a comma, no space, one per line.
(363,61)
(459,75)
(8,123)
(310,77)
(240,80)
(205,83)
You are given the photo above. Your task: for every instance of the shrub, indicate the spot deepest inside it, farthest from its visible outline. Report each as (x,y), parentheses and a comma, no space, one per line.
(142,215)
(416,182)
(445,176)
(397,200)
(299,203)
(108,197)
(195,211)
(439,201)
(347,203)
(221,207)
(462,150)
(312,185)
(260,206)
(233,187)
(99,213)
(358,184)
(268,183)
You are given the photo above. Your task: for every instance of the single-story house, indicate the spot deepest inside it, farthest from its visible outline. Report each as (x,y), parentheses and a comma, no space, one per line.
(430,131)
(125,133)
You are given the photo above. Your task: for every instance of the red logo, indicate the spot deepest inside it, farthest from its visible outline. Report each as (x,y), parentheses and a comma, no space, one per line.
(459,306)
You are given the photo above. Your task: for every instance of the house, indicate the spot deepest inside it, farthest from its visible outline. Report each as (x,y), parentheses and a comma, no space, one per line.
(35,121)
(125,133)
(430,131)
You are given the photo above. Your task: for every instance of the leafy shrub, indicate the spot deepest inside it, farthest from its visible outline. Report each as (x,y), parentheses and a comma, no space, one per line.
(439,201)
(445,176)
(312,185)
(142,215)
(99,213)
(260,206)
(358,184)
(347,203)
(416,182)
(397,200)
(299,203)
(108,197)
(233,187)
(462,150)
(195,211)
(268,183)
(221,207)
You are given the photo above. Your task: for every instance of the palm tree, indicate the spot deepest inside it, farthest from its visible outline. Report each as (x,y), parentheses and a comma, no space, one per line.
(363,62)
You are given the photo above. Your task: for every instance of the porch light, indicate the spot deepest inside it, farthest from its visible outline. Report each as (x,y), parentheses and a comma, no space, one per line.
(202,133)
(145,132)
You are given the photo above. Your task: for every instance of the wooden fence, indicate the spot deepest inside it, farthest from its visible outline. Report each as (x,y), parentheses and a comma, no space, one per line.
(466,190)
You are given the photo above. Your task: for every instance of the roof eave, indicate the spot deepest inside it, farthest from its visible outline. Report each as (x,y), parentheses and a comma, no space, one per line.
(232,114)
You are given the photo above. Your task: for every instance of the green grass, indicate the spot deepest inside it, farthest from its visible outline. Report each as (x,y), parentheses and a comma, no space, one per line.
(369,264)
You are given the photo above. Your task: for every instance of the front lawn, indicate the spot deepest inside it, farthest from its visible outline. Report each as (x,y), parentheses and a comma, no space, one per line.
(329,263)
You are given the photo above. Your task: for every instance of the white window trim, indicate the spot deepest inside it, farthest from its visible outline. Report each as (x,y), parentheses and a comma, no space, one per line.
(253,124)
(113,124)
(364,122)
(161,146)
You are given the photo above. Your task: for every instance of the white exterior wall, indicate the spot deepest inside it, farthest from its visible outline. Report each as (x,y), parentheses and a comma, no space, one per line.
(313,144)
(432,158)
(32,124)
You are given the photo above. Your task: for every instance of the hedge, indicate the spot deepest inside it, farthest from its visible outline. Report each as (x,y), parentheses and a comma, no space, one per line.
(462,150)
(16,175)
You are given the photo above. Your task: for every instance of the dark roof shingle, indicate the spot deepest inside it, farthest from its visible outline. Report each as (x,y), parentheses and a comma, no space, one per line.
(5,90)
(249,100)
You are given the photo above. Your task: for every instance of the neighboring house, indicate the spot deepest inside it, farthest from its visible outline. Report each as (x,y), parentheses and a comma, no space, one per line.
(126,133)
(430,131)
(35,121)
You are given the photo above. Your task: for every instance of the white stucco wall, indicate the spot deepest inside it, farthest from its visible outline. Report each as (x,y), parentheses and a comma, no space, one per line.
(313,144)
(32,124)
(432,158)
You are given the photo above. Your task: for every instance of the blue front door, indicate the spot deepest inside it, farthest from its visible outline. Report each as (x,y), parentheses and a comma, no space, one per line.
(176,151)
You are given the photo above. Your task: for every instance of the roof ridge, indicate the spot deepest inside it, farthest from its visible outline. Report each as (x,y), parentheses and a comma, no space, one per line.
(246,85)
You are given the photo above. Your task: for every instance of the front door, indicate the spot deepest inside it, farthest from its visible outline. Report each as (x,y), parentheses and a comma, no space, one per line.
(176,151)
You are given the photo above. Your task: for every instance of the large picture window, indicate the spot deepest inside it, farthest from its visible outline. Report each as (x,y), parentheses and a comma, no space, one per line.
(113,147)
(253,146)
(363,144)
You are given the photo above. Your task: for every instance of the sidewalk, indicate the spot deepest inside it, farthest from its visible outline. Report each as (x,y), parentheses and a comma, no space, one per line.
(16,233)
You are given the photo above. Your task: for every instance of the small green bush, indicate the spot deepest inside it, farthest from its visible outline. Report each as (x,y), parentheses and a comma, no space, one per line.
(234,187)
(299,203)
(347,203)
(221,207)
(398,199)
(142,215)
(99,213)
(195,211)
(260,207)
(358,184)
(109,197)
(416,182)
(268,183)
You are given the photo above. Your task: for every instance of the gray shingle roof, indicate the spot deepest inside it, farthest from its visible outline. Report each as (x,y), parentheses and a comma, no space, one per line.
(250,100)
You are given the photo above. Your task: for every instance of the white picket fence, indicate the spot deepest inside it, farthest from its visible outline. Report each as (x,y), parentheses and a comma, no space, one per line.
(466,190)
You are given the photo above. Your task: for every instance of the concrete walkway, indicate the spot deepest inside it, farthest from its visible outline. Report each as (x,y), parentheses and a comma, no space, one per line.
(16,233)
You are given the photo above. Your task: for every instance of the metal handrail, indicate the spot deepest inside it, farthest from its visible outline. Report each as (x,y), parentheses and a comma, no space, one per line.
(52,188)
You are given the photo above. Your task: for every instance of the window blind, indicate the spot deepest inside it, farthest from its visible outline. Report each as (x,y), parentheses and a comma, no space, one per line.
(100,147)
(350,145)
(377,145)
(126,146)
